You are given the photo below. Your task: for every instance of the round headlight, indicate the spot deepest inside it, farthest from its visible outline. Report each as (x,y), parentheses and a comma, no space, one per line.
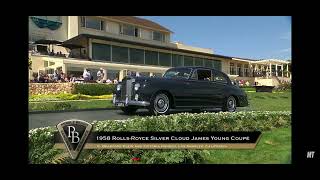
(118,87)
(136,86)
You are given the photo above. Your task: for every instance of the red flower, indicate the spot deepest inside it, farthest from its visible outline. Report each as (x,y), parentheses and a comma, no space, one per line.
(136,159)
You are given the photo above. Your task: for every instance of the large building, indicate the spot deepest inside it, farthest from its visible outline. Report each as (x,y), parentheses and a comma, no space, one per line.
(122,44)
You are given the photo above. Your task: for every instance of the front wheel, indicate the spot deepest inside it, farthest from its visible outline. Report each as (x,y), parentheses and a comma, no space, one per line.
(160,104)
(129,110)
(230,105)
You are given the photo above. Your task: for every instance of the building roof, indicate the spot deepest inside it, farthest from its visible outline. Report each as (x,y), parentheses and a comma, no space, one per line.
(139,21)
(260,60)
(244,59)
(275,60)
(86,36)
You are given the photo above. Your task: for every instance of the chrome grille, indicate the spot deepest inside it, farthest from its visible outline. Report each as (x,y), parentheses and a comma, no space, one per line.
(123,90)
(126,89)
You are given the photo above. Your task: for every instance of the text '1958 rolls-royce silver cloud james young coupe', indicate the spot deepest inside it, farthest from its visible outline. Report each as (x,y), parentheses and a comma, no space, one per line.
(194,88)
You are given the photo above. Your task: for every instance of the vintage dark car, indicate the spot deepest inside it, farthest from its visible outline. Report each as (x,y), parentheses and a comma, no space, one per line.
(195,88)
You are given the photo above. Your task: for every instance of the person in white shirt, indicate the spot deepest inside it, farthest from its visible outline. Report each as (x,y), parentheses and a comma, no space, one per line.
(115,81)
(55,75)
(100,75)
(108,81)
(72,78)
(86,75)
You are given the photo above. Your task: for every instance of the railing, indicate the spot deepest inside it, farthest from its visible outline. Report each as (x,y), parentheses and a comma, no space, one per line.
(259,74)
(276,78)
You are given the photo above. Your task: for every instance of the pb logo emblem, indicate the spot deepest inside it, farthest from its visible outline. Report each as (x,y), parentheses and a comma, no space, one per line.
(74,134)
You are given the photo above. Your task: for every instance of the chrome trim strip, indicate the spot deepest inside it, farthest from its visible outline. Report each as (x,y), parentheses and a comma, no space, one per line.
(132,103)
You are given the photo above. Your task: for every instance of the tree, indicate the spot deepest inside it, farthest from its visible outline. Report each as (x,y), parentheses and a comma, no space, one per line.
(30,63)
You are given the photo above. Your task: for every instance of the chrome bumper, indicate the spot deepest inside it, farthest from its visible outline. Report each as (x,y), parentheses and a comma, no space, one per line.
(126,102)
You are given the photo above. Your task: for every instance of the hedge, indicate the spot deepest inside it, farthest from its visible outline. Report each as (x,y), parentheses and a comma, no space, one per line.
(93,89)
(41,139)
(248,88)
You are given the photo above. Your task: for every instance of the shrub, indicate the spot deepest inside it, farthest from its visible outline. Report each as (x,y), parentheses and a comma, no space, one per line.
(66,96)
(42,150)
(248,88)
(93,89)
(41,140)
(284,86)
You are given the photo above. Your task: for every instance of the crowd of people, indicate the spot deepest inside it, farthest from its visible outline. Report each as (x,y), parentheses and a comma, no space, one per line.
(241,82)
(87,76)
(60,77)
(50,78)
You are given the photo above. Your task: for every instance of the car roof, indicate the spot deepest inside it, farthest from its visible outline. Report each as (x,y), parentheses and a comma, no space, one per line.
(192,67)
(195,67)
(201,67)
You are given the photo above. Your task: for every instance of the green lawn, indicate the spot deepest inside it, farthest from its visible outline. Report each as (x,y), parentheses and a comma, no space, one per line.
(277,101)
(94,104)
(274,147)
(263,101)
(68,102)
(69,105)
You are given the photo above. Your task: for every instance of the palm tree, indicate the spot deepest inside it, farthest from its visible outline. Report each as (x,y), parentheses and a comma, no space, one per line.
(30,63)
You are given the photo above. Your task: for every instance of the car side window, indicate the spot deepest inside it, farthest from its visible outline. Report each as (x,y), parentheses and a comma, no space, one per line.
(219,77)
(194,75)
(202,75)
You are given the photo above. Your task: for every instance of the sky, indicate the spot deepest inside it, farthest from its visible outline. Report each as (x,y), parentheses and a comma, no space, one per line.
(253,37)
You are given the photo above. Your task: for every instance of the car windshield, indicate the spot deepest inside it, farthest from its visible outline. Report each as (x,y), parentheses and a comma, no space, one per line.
(178,73)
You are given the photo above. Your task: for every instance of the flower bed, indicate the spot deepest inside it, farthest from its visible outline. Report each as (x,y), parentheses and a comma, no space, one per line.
(93,89)
(41,139)
(67,96)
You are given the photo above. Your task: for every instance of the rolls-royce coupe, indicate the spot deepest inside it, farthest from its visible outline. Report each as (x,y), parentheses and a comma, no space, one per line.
(195,88)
